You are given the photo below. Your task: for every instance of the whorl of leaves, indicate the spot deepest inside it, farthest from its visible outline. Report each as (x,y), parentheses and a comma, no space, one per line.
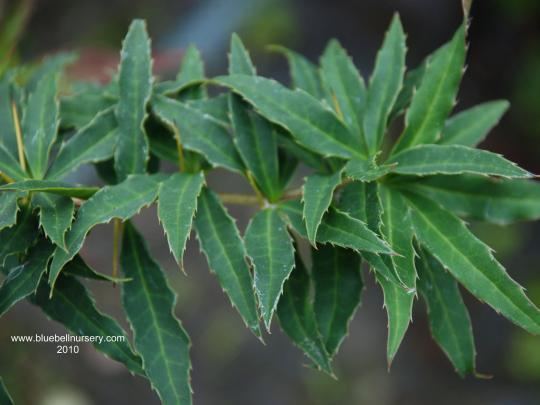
(397,209)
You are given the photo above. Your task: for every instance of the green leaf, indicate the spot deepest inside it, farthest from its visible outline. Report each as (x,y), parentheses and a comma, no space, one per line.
(40,124)
(192,66)
(435,97)
(51,186)
(93,143)
(197,131)
(385,84)
(256,141)
(158,335)
(397,230)
(8,137)
(317,194)
(8,209)
(471,262)
(471,126)
(270,248)
(55,215)
(73,306)
(412,81)
(188,79)
(81,108)
(363,201)
(120,201)
(177,203)
(221,243)
(337,228)
(18,238)
(239,60)
(363,170)
(454,159)
(338,287)
(500,201)
(364,198)
(78,268)
(23,280)
(346,87)
(5,398)
(449,319)
(10,166)
(311,123)
(297,318)
(304,74)
(135,89)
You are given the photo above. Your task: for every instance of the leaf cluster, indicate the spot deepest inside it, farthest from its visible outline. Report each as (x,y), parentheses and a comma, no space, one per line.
(395,204)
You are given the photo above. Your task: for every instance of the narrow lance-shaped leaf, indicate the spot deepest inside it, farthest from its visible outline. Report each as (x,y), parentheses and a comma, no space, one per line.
(256,141)
(239,60)
(177,203)
(135,87)
(40,124)
(8,209)
(188,79)
(337,228)
(297,318)
(412,81)
(158,335)
(221,243)
(5,398)
(364,201)
(270,248)
(471,262)
(23,280)
(78,268)
(304,74)
(8,137)
(19,237)
(346,87)
(383,265)
(312,124)
(93,143)
(449,319)
(454,159)
(55,215)
(385,85)
(338,286)
(73,306)
(361,201)
(52,187)
(471,126)
(121,201)
(436,94)
(500,201)
(317,194)
(197,131)
(398,299)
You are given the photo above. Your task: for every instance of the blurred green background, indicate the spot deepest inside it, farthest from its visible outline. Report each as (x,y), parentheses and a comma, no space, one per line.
(229,365)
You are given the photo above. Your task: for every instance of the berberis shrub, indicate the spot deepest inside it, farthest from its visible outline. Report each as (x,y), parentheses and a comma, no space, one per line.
(394,204)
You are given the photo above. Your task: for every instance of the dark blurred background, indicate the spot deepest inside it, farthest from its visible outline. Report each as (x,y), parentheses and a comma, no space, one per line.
(229,365)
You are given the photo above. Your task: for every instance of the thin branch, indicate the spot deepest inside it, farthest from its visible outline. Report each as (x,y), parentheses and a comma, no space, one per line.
(118,227)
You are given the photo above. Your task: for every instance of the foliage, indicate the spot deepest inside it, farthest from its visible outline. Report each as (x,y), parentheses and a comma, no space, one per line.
(395,206)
